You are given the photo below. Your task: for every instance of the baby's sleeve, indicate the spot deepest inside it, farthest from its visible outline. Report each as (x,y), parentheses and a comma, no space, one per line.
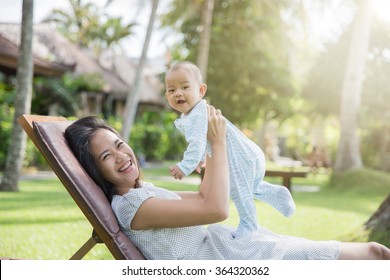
(196,137)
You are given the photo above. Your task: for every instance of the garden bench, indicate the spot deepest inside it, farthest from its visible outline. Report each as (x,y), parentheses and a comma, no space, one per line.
(287,175)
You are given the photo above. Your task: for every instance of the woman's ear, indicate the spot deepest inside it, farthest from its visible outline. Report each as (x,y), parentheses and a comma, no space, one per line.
(202,90)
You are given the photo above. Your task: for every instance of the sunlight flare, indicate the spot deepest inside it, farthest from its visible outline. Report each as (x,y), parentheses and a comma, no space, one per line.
(382,10)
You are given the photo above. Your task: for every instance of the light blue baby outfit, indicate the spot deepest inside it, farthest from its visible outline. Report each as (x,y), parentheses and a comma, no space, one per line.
(246,168)
(215,242)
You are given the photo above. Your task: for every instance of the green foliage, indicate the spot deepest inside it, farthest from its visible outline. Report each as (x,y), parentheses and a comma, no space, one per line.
(371,145)
(110,33)
(324,86)
(63,91)
(149,140)
(363,181)
(154,136)
(376,87)
(7,95)
(324,81)
(33,158)
(296,131)
(246,76)
(91,82)
(49,91)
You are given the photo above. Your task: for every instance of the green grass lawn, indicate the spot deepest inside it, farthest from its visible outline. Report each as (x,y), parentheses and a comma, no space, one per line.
(43,222)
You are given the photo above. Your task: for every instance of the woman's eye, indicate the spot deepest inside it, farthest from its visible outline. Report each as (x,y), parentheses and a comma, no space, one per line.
(120,144)
(106,156)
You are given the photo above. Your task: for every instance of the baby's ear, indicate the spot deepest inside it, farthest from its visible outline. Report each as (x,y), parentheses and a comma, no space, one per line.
(202,89)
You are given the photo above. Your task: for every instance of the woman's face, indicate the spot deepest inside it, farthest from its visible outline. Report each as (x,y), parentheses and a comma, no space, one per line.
(115,160)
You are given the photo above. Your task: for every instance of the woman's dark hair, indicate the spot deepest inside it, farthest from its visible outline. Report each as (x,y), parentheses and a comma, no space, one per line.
(79,135)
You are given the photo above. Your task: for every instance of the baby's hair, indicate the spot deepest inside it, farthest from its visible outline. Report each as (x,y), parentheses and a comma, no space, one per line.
(189,66)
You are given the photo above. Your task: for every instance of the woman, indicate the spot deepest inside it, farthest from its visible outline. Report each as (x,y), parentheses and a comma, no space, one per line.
(170,225)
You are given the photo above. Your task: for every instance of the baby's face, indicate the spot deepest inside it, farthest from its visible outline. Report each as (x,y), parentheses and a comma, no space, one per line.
(183,91)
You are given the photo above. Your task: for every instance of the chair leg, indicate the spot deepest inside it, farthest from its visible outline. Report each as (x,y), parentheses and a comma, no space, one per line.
(84,249)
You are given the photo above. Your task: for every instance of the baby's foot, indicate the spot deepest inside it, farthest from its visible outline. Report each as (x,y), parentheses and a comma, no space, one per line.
(279,197)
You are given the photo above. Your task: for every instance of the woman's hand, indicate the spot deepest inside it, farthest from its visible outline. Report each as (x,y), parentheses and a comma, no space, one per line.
(216,126)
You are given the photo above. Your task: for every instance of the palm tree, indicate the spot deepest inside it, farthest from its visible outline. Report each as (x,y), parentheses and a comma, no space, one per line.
(86,26)
(22,103)
(133,96)
(110,33)
(204,40)
(348,155)
(182,11)
(78,24)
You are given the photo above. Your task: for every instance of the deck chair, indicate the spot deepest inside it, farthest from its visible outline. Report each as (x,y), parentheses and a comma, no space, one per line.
(47,133)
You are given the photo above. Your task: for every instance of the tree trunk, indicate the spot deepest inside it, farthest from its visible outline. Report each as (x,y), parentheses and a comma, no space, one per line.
(385,148)
(348,155)
(132,99)
(22,103)
(204,40)
(381,218)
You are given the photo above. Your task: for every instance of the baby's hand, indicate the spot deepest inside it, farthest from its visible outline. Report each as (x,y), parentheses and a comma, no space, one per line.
(200,166)
(176,172)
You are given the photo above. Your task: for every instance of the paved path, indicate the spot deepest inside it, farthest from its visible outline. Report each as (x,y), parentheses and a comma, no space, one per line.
(38,175)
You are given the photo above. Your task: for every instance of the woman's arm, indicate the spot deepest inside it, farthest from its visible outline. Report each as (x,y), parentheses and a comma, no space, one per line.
(209,205)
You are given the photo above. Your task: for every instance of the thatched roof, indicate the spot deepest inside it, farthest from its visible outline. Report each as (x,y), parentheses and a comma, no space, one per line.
(50,46)
(150,86)
(9,53)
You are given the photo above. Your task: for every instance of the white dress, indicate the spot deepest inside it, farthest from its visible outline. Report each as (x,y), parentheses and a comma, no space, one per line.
(215,242)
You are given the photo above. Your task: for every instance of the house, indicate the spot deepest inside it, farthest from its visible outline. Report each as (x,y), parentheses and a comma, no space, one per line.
(55,55)
(9,52)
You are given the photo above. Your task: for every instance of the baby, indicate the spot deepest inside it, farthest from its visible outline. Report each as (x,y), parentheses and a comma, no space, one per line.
(185,92)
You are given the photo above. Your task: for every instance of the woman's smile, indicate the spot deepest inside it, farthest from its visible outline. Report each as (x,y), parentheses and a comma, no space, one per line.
(115,159)
(128,167)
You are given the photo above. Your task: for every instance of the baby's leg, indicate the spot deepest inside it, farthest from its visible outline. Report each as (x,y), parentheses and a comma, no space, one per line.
(279,197)
(241,185)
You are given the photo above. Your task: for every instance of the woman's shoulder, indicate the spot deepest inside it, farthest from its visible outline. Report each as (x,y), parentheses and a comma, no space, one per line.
(133,194)
(126,205)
